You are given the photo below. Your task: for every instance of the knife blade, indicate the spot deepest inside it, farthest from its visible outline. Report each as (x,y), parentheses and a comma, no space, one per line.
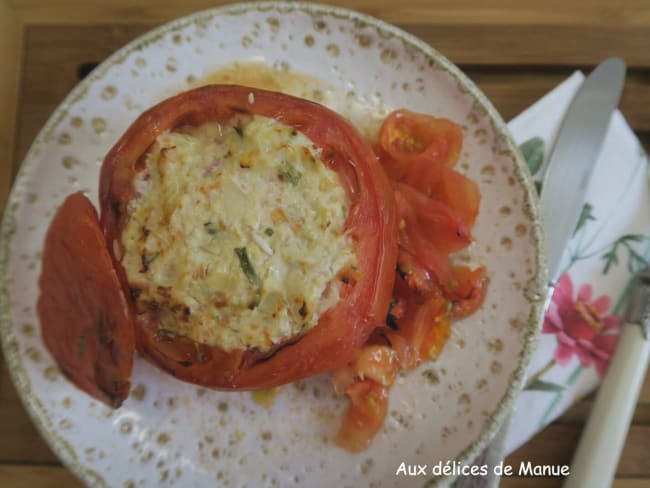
(574,155)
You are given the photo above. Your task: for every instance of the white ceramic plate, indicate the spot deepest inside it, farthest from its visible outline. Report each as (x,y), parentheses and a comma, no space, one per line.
(171,433)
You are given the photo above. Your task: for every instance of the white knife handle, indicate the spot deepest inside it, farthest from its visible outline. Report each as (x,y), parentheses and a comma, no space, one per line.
(596,458)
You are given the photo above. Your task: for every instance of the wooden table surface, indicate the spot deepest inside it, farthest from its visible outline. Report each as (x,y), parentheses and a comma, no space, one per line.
(514,50)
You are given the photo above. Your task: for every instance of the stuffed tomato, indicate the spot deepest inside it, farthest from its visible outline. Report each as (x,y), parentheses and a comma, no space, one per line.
(253,234)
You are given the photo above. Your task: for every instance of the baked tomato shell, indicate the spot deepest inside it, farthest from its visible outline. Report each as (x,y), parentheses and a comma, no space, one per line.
(84,314)
(372,223)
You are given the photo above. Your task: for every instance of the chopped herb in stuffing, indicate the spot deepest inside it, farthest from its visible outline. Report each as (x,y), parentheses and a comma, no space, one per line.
(288,173)
(211,228)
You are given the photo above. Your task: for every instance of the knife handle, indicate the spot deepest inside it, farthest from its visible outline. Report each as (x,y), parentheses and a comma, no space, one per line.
(596,458)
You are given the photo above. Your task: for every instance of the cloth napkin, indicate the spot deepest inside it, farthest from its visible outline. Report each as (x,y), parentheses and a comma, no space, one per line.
(610,245)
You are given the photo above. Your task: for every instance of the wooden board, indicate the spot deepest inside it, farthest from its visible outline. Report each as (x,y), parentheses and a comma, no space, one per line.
(10,47)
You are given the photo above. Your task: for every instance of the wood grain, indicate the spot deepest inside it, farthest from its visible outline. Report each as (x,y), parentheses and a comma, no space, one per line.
(56,54)
(513,90)
(572,44)
(26,444)
(10,49)
(627,13)
(515,51)
(582,32)
(20,476)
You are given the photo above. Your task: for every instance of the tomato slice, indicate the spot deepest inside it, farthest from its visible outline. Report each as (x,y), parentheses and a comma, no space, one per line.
(372,224)
(365,415)
(429,328)
(420,151)
(470,291)
(448,186)
(84,315)
(421,261)
(366,382)
(408,138)
(433,220)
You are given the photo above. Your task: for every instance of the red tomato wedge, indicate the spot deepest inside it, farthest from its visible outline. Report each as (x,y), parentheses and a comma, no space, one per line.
(448,186)
(365,415)
(420,151)
(372,223)
(84,315)
(470,291)
(437,207)
(435,221)
(407,138)
(426,323)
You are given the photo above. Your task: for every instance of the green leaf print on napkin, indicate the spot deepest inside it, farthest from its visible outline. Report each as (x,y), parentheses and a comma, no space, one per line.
(540,385)
(585,215)
(533,151)
(634,260)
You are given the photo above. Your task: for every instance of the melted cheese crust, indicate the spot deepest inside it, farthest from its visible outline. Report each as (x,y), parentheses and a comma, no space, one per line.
(236,234)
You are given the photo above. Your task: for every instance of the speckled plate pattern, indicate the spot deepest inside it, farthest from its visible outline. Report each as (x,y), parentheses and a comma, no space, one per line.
(169,433)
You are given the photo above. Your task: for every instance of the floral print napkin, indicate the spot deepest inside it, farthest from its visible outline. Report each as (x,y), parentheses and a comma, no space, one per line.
(610,245)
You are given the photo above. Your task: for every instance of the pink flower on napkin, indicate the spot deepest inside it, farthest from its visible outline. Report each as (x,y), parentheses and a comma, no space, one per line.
(582,326)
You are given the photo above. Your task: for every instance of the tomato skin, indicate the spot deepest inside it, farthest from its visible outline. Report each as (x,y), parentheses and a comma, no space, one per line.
(85,319)
(407,138)
(420,151)
(425,266)
(471,290)
(372,223)
(365,416)
(447,186)
(433,220)
(366,382)
(423,328)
